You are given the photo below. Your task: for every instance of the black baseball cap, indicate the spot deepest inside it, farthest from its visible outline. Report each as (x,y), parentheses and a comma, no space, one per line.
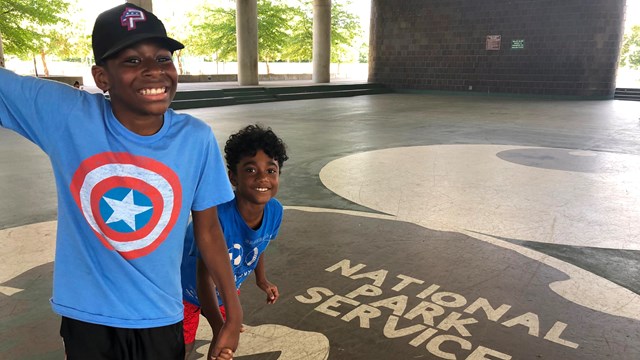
(124,25)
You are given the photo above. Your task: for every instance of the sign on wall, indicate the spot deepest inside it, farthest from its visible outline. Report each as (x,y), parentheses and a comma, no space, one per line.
(517,44)
(493,42)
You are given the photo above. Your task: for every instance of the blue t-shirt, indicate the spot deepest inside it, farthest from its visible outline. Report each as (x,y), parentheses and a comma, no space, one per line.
(123,200)
(245,244)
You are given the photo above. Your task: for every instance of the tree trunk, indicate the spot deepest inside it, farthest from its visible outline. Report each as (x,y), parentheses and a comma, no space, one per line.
(35,66)
(1,53)
(44,63)
(267,63)
(179,58)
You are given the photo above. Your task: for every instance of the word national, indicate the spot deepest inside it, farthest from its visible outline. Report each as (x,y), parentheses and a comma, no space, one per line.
(434,320)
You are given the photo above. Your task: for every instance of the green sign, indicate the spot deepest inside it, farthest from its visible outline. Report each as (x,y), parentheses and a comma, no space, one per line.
(517,44)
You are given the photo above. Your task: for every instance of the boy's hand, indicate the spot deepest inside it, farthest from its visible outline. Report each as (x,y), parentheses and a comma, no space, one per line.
(270,289)
(226,354)
(223,344)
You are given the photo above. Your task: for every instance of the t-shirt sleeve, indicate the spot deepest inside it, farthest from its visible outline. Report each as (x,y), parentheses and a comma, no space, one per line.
(34,107)
(213,187)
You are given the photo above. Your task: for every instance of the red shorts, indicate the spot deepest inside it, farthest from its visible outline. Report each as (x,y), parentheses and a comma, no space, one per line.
(192,320)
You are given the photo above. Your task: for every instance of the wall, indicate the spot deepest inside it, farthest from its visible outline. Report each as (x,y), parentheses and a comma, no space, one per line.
(570,47)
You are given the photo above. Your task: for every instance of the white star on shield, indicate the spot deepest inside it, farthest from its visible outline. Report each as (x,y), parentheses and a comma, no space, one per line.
(125,210)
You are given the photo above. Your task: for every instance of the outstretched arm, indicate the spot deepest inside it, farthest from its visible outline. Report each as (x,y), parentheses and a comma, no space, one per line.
(213,251)
(261,281)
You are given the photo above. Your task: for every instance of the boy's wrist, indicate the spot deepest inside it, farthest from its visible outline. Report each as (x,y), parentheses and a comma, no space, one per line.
(233,324)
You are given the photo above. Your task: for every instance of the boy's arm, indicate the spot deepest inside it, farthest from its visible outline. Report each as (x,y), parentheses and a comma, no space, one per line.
(209,303)
(36,108)
(208,299)
(264,284)
(213,250)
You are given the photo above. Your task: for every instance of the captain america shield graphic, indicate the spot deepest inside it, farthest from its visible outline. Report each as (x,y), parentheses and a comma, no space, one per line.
(131,202)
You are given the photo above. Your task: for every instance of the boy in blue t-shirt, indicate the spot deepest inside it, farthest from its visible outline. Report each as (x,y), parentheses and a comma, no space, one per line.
(128,171)
(255,156)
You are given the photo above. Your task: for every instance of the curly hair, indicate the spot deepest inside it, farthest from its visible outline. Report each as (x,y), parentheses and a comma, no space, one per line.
(249,140)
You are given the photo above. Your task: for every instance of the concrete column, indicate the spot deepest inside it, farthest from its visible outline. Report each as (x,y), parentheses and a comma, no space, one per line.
(145,4)
(247,41)
(321,41)
(1,53)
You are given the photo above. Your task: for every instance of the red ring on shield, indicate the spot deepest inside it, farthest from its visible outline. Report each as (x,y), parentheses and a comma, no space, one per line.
(136,184)
(122,179)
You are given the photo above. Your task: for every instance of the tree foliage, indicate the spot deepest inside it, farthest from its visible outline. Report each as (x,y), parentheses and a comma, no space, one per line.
(25,24)
(630,54)
(300,45)
(285,29)
(345,27)
(213,33)
(273,29)
(285,32)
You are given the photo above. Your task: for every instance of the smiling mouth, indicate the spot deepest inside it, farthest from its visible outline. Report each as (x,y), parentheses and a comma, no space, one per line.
(154,91)
(262,189)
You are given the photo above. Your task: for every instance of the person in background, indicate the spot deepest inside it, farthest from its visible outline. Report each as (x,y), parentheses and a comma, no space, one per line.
(255,156)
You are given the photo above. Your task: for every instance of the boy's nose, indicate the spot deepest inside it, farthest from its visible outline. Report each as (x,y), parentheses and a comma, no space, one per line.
(153,68)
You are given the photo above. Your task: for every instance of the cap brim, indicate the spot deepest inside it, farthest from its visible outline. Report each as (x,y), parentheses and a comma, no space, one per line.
(171,45)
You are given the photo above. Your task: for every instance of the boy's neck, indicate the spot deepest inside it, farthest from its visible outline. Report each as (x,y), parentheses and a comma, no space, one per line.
(144,126)
(251,213)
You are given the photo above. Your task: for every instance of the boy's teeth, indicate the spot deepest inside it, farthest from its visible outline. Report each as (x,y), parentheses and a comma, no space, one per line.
(261,189)
(153,91)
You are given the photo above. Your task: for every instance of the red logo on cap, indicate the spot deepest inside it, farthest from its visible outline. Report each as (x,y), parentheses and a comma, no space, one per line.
(130,17)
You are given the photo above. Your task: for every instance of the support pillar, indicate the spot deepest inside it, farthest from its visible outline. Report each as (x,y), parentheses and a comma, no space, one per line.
(145,4)
(247,41)
(321,41)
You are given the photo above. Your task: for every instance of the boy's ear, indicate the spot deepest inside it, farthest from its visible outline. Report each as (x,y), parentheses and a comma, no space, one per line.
(100,77)
(232,178)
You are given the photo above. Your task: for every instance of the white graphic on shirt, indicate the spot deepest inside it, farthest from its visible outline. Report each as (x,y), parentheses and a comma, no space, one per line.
(125,210)
(252,257)
(237,249)
(106,171)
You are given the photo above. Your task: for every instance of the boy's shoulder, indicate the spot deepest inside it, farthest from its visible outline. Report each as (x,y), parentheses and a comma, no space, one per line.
(190,123)
(274,210)
(273,205)
(187,118)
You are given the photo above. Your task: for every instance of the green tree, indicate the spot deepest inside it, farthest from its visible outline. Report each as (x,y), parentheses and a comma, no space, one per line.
(345,28)
(23,24)
(300,45)
(273,29)
(69,38)
(214,31)
(630,54)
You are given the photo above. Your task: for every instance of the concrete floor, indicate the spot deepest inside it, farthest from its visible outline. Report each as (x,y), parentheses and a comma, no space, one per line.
(417,226)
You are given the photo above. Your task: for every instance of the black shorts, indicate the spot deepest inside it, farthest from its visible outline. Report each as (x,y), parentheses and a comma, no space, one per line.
(99,342)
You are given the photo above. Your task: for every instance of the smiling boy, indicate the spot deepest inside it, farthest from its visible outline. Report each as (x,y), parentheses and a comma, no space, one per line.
(252,220)
(128,171)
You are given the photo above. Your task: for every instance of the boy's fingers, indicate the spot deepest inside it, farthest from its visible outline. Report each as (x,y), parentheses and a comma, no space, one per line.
(225,353)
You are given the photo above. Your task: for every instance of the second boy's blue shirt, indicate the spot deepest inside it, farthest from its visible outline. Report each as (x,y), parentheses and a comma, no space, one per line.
(245,244)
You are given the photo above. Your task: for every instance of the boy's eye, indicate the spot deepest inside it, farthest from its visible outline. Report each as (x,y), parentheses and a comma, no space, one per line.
(250,170)
(272,171)
(132,60)
(163,59)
